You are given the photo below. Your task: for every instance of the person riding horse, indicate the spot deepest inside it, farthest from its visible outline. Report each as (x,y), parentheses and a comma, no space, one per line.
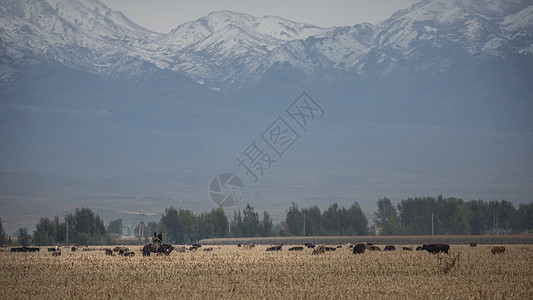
(156,242)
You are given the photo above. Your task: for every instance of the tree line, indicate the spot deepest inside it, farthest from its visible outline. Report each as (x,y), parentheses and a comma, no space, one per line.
(429,215)
(412,216)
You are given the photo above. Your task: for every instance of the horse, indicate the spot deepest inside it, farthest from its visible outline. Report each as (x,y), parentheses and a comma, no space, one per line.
(165,249)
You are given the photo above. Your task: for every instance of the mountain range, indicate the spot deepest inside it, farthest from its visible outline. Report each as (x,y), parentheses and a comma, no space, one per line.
(100,112)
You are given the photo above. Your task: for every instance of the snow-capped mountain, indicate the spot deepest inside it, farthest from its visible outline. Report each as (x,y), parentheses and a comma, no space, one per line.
(226,47)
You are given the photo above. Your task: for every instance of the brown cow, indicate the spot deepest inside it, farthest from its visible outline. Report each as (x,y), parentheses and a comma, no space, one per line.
(498,249)
(320,249)
(374,248)
(56,253)
(251,245)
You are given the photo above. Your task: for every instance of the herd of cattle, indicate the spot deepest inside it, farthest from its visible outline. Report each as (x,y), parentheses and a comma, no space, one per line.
(359,248)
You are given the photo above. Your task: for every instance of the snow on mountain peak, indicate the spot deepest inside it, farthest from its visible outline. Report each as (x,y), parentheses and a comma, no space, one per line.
(227,46)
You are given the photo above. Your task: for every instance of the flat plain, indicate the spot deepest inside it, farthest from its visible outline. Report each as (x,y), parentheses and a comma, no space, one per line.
(236,272)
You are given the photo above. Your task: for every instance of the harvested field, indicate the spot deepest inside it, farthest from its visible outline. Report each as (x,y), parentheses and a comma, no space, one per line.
(232,272)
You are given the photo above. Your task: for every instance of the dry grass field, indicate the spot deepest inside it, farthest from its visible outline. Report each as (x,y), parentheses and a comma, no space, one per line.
(232,272)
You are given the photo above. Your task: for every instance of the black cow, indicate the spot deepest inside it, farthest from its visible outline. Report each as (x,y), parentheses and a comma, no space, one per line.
(25,249)
(274,248)
(296,248)
(309,245)
(389,248)
(407,248)
(359,248)
(436,248)
(196,245)
(419,248)
(473,244)
(330,249)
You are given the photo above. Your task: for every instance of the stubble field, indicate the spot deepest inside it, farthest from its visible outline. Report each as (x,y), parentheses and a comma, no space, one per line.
(232,272)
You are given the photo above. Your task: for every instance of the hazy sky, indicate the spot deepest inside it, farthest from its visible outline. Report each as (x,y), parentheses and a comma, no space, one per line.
(165,15)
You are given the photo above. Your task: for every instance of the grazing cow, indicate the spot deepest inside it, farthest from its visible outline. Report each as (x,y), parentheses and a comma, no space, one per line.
(374,248)
(389,248)
(473,244)
(407,248)
(25,249)
(239,245)
(123,249)
(130,254)
(274,248)
(309,245)
(53,249)
(419,248)
(181,249)
(320,249)
(436,248)
(330,249)
(193,248)
(197,245)
(56,253)
(498,249)
(250,245)
(109,252)
(296,248)
(359,248)
(208,249)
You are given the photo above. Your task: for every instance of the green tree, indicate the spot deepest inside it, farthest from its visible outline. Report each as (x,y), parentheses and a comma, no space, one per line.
(115,227)
(87,228)
(390,227)
(220,223)
(294,220)
(3,235)
(250,222)
(45,232)
(313,221)
(265,228)
(386,216)
(475,220)
(355,219)
(236,225)
(152,227)
(24,237)
(525,217)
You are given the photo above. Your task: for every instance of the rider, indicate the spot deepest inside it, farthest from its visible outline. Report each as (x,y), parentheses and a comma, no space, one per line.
(160,237)
(155,242)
